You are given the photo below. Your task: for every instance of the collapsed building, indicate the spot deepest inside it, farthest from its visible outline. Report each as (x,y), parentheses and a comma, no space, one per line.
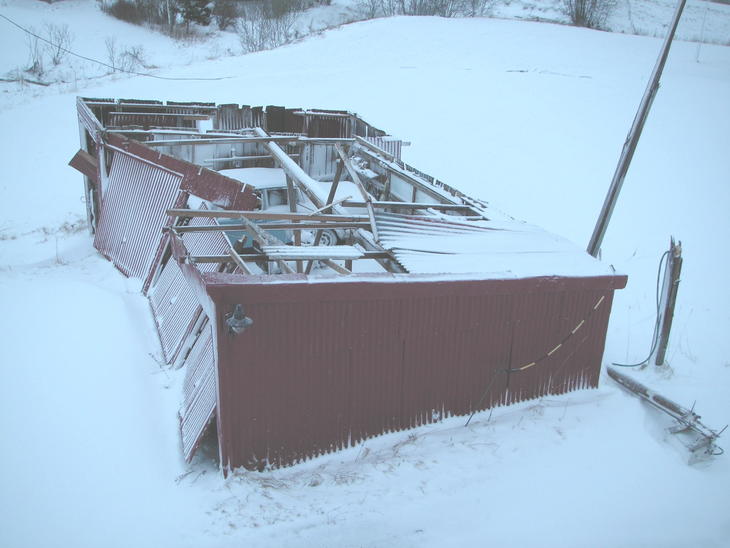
(317,289)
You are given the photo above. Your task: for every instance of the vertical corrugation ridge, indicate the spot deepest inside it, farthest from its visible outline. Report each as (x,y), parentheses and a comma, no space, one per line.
(133,213)
(199,391)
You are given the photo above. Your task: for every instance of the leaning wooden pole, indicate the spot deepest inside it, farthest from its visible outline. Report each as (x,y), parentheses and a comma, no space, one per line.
(633,138)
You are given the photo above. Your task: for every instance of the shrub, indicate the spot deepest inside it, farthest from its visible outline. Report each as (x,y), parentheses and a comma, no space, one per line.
(259,27)
(588,13)
(60,41)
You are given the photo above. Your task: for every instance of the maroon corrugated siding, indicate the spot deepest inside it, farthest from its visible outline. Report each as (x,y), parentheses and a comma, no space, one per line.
(326,365)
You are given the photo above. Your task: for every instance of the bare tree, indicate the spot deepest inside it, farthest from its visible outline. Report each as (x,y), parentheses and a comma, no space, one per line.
(588,13)
(60,41)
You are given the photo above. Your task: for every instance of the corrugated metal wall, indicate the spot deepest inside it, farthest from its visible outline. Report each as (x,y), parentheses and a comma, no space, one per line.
(174,305)
(133,212)
(325,366)
(199,392)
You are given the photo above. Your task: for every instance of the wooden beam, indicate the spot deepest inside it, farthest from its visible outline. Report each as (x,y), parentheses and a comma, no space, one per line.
(302,180)
(252,257)
(184,116)
(328,206)
(410,178)
(239,261)
(408,205)
(269,226)
(292,199)
(266,239)
(264,216)
(242,158)
(334,266)
(365,196)
(220,141)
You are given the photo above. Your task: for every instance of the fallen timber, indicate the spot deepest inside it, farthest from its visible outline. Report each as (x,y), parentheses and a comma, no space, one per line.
(686,419)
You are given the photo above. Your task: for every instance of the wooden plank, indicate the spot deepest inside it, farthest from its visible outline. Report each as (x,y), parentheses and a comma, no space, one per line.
(270,226)
(266,239)
(184,116)
(264,216)
(410,178)
(237,259)
(408,205)
(252,257)
(292,199)
(328,206)
(313,252)
(334,266)
(302,179)
(220,141)
(356,179)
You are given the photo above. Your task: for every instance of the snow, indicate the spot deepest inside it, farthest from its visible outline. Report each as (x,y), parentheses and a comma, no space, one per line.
(528,116)
(257,177)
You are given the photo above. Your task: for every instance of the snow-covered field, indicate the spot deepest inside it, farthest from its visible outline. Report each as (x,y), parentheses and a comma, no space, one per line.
(529,116)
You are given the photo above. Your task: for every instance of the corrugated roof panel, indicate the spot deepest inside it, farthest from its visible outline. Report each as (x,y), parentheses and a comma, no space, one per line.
(434,244)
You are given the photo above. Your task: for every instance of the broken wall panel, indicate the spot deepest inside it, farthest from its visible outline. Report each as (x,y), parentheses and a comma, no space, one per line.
(133,213)
(199,393)
(174,305)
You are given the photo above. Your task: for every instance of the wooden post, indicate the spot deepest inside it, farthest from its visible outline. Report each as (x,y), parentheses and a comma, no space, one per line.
(326,209)
(365,196)
(292,199)
(668,299)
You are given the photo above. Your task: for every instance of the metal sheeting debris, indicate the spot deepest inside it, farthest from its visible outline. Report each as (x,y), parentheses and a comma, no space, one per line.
(174,305)
(199,393)
(133,209)
(437,244)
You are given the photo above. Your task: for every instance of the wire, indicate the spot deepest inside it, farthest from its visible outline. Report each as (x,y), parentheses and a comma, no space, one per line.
(116,69)
(655,336)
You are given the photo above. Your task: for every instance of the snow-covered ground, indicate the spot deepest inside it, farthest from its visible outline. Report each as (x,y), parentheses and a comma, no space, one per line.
(528,116)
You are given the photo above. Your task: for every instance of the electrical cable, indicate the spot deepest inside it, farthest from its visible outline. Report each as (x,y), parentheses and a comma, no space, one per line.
(509,370)
(655,336)
(116,69)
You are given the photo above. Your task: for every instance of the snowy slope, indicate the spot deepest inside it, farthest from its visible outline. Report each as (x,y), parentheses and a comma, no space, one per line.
(528,116)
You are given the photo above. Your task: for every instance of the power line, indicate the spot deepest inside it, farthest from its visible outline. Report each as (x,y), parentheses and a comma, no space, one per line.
(31,33)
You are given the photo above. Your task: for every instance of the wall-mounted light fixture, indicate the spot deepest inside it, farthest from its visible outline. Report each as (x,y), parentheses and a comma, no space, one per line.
(237,321)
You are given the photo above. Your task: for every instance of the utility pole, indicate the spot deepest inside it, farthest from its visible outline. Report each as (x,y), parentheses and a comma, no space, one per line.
(633,138)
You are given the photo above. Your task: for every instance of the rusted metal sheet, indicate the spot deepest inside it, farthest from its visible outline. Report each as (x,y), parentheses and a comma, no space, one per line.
(86,164)
(174,305)
(199,392)
(132,215)
(204,183)
(325,366)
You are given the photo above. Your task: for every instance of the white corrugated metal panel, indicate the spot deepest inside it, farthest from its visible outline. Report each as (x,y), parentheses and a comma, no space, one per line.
(387,144)
(133,213)
(505,249)
(174,305)
(199,393)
